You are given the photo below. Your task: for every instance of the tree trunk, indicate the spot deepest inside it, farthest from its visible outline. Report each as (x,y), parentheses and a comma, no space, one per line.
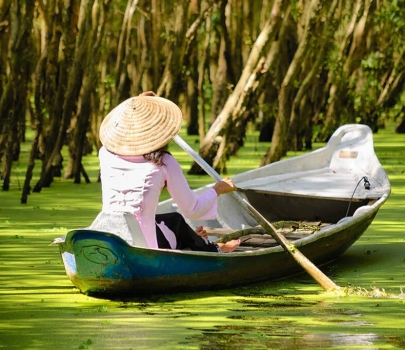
(354,41)
(122,79)
(400,128)
(71,77)
(26,190)
(202,70)
(236,129)
(300,118)
(218,67)
(91,50)
(14,100)
(190,107)
(207,149)
(279,140)
(170,86)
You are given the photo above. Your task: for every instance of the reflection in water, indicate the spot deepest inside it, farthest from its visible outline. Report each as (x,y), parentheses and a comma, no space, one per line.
(282,338)
(264,321)
(339,339)
(280,326)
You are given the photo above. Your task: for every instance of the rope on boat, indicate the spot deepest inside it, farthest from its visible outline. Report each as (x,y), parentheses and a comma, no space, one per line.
(366,186)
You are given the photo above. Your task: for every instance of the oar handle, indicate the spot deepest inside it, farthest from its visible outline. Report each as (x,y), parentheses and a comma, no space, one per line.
(209,170)
(200,160)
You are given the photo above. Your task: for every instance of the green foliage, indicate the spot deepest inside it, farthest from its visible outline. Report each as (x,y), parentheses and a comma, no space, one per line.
(296,10)
(390,20)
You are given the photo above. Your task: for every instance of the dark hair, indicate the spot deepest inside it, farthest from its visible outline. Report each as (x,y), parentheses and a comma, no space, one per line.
(156,157)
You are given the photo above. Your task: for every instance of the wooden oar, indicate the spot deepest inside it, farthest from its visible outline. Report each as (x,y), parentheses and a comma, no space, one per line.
(324,281)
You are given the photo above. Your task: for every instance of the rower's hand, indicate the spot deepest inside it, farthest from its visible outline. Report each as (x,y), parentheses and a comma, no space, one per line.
(201,232)
(226,185)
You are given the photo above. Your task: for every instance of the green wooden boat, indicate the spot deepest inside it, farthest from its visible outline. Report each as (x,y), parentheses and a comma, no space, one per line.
(322,201)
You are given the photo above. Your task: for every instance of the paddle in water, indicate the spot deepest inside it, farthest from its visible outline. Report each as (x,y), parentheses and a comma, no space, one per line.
(324,281)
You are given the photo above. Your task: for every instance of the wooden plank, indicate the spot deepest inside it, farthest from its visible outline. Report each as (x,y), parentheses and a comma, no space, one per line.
(257,240)
(287,231)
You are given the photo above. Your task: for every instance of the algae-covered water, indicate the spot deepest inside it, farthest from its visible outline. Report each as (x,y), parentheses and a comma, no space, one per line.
(41,309)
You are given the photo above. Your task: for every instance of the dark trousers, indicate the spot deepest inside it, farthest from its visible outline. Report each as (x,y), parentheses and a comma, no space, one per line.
(185,235)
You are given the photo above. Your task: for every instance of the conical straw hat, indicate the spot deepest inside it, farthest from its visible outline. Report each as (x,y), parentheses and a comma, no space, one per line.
(140,125)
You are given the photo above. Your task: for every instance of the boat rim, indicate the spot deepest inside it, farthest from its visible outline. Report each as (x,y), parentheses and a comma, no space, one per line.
(322,233)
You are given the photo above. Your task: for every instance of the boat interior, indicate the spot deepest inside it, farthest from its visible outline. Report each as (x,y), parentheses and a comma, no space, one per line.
(257,238)
(312,190)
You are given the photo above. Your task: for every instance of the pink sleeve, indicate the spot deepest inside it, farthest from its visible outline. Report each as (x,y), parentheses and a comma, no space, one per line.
(195,206)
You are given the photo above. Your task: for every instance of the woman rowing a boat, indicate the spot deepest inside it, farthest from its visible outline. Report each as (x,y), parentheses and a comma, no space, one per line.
(135,166)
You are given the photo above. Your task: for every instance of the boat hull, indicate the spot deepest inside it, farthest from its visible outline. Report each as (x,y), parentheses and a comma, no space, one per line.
(100,263)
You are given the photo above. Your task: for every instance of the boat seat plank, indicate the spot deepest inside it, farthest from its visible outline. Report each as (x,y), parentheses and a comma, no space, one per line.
(306,228)
(259,239)
(253,242)
(259,242)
